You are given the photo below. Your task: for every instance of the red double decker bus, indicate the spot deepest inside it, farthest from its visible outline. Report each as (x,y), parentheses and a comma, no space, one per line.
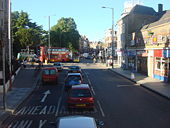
(55,54)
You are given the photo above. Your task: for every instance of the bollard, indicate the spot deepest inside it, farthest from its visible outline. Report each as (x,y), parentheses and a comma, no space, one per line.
(132,76)
(45,61)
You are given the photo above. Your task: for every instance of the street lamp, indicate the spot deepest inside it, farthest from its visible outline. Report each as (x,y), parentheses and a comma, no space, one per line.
(112,34)
(49,43)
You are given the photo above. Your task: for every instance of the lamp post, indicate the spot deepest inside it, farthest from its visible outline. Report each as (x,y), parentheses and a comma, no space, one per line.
(49,43)
(10,43)
(49,36)
(2,73)
(112,34)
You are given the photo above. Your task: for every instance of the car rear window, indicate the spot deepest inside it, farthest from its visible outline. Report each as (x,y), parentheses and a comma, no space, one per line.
(76,67)
(57,64)
(75,78)
(49,72)
(76,93)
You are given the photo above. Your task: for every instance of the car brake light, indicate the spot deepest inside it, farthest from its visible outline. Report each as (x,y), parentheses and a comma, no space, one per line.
(91,99)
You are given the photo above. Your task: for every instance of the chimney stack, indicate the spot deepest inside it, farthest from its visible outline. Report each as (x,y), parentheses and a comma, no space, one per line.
(160,7)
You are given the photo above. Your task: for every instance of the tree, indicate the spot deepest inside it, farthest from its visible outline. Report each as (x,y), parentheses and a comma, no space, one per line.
(65,33)
(25,33)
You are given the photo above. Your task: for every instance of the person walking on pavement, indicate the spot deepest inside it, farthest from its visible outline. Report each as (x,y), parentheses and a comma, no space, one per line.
(94,59)
(25,62)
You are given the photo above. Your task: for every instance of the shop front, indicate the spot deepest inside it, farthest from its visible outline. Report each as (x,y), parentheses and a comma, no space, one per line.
(131,59)
(142,57)
(161,69)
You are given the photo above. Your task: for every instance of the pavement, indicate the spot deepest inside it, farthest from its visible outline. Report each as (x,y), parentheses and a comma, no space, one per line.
(27,79)
(24,83)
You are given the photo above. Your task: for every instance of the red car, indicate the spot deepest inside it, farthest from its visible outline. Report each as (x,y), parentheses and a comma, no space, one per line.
(80,96)
(49,74)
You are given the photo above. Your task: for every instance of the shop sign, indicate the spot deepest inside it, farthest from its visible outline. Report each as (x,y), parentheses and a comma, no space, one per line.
(166,53)
(157,53)
(154,40)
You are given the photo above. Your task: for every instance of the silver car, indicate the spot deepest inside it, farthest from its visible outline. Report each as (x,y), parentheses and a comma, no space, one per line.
(77,122)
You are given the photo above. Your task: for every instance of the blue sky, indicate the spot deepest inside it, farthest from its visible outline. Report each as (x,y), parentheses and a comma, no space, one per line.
(91,19)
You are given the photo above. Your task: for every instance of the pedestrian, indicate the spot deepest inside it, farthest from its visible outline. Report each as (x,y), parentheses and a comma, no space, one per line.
(32,62)
(94,60)
(24,62)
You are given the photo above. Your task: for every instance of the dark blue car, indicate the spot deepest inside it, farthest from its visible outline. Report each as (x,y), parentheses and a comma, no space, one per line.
(72,80)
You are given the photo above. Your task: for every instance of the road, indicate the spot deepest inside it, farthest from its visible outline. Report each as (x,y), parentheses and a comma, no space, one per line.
(118,102)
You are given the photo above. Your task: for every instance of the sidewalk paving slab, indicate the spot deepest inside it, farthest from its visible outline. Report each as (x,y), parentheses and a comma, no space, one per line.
(23,85)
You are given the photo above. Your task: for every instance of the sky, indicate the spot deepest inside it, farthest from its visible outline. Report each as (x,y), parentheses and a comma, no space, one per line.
(92,20)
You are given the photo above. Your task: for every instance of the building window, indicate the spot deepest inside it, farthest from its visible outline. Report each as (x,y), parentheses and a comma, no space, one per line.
(123,28)
(165,62)
(158,63)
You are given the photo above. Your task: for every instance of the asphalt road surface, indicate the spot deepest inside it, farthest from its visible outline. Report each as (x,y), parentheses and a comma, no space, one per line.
(118,102)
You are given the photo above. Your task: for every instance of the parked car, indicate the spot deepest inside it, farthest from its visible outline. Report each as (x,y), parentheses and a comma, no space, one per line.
(49,74)
(58,65)
(78,121)
(74,69)
(73,79)
(80,96)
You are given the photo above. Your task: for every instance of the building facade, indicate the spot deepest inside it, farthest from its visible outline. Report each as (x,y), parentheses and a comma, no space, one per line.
(122,30)
(150,47)
(4,42)
(84,44)
(156,38)
(132,22)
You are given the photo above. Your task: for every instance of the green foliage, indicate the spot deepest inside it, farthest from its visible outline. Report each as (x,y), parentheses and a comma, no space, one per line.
(65,34)
(25,33)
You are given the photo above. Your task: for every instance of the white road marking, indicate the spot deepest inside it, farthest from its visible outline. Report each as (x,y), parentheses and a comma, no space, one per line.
(90,83)
(37,110)
(44,110)
(41,123)
(124,86)
(21,124)
(101,108)
(59,102)
(45,95)
(93,90)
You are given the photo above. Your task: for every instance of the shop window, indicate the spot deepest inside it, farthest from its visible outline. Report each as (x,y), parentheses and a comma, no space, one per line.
(158,63)
(165,66)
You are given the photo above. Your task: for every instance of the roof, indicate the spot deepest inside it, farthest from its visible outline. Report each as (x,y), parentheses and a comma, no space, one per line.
(74,67)
(76,122)
(81,86)
(49,68)
(57,63)
(144,10)
(75,74)
(164,17)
